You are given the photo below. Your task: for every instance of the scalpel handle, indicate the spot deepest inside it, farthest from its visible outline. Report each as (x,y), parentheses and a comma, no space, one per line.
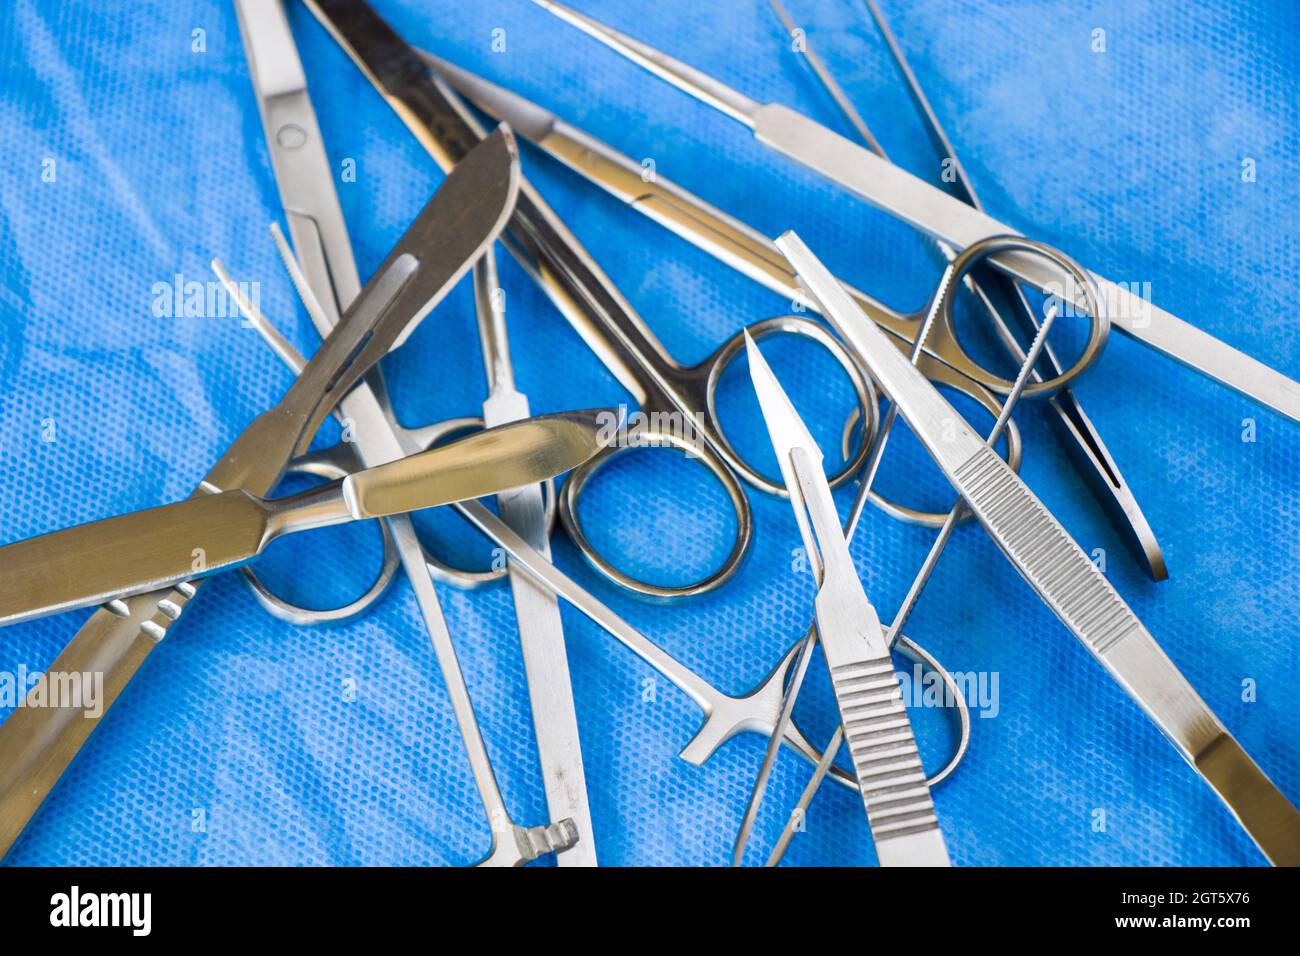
(38,743)
(890,776)
(1086,602)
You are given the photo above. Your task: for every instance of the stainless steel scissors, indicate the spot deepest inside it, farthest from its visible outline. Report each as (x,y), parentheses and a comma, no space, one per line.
(950,220)
(1005,304)
(678,401)
(324,279)
(944,359)
(1054,565)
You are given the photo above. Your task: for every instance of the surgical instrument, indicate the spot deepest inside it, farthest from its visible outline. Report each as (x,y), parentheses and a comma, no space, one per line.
(738,245)
(307,192)
(891,779)
(467,212)
(537,611)
(1075,589)
(938,309)
(144,551)
(947,218)
(1028,361)
(677,401)
(725,716)
(999,295)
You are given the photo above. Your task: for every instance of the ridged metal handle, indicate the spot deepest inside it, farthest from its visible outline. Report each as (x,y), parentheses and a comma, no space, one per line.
(38,743)
(1045,554)
(890,775)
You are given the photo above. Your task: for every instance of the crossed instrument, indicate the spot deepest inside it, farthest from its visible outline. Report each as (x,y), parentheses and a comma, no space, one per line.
(141,568)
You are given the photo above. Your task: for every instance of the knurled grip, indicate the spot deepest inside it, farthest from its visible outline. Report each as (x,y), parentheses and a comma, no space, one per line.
(1044,553)
(879,735)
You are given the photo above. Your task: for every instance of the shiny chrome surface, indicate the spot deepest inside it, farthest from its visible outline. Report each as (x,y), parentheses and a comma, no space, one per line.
(941,302)
(1004,302)
(160,547)
(585,296)
(467,212)
(1043,552)
(736,244)
(307,192)
(948,219)
(890,777)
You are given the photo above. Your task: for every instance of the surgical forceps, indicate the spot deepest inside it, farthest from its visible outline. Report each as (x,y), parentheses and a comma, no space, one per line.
(947,218)
(326,282)
(999,295)
(683,396)
(940,303)
(1058,570)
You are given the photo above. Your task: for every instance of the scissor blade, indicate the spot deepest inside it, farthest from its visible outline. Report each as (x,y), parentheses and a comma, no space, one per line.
(948,219)
(302,169)
(130,554)
(1054,565)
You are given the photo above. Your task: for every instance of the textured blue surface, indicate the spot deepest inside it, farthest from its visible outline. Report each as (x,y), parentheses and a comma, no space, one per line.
(1130,159)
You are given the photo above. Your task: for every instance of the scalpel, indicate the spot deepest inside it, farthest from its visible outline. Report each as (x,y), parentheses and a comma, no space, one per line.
(467,213)
(890,777)
(1043,552)
(161,547)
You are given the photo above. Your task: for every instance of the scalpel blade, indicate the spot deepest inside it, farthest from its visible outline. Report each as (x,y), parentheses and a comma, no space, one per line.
(1054,565)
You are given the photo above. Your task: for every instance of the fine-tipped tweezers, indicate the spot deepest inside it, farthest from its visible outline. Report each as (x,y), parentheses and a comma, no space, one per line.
(948,219)
(1054,565)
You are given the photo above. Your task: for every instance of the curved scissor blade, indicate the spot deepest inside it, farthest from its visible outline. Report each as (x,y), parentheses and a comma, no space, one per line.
(524,116)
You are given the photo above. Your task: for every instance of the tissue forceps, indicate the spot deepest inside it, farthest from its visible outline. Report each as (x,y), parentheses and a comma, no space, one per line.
(736,244)
(941,302)
(999,296)
(1068,582)
(945,217)
(327,282)
(677,401)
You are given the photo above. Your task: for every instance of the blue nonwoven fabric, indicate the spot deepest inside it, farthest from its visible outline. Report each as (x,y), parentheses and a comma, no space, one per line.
(1155,142)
